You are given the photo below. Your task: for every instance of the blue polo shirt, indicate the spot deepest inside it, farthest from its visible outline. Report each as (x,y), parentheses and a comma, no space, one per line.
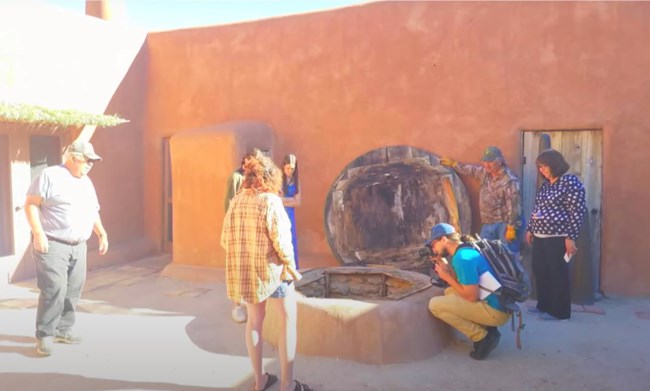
(469,264)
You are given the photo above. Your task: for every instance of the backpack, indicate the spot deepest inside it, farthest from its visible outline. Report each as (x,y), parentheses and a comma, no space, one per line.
(511,274)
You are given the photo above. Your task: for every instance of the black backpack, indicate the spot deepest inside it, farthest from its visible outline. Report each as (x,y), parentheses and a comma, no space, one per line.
(511,274)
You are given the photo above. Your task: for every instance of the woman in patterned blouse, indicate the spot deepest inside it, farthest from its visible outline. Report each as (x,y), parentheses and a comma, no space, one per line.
(552,232)
(260,267)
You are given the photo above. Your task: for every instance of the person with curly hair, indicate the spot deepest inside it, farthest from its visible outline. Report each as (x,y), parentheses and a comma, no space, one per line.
(260,267)
(233,186)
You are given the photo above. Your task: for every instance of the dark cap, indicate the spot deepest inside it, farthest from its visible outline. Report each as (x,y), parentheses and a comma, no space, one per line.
(439,230)
(491,154)
(84,148)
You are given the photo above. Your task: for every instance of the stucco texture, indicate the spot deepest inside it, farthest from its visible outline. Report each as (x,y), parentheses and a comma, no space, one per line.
(372,332)
(447,77)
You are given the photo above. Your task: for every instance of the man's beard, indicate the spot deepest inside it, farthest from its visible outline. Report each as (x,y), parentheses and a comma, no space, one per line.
(444,253)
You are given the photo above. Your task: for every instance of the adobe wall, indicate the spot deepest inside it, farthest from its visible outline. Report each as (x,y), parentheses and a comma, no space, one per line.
(448,77)
(62,60)
(59,59)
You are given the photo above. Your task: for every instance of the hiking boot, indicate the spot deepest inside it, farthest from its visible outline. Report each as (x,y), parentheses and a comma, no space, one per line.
(239,314)
(68,338)
(44,346)
(476,344)
(483,347)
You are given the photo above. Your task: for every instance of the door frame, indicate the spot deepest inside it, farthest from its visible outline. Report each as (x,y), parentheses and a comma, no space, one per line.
(168,205)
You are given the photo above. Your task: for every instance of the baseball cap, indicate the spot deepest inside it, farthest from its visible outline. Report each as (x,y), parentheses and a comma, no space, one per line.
(439,230)
(491,154)
(84,148)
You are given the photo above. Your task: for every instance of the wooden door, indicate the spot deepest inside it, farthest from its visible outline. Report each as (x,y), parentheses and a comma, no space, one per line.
(582,149)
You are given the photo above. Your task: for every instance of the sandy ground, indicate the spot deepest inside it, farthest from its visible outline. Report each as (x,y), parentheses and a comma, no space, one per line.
(143,331)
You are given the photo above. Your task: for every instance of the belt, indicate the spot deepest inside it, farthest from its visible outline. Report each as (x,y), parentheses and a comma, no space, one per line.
(69,243)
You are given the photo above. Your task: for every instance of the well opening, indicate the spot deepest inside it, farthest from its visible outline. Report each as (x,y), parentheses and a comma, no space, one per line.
(361,283)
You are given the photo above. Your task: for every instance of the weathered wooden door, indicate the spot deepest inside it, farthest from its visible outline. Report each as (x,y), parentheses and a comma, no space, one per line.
(582,149)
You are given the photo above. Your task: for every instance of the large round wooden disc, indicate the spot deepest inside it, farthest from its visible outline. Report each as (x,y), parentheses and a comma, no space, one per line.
(382,206)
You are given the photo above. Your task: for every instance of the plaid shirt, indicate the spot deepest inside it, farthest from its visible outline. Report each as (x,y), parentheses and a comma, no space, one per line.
(257,238)
(499,197)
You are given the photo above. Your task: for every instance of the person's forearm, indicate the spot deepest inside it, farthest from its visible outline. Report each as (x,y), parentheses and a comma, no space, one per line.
(101,234)
(473,170)
(33,218)
(98,228)
(463,290)
(290,202)
(448,274)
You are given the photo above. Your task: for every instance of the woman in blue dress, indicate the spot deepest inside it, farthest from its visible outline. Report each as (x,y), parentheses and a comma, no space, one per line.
(291,195)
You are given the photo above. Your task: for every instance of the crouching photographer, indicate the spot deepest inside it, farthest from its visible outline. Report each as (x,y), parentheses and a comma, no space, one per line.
(461,306)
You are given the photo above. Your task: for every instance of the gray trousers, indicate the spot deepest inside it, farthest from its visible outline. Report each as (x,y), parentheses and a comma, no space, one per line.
(60,274)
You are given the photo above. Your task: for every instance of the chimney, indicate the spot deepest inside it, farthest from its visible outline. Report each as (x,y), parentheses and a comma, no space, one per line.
(101,9)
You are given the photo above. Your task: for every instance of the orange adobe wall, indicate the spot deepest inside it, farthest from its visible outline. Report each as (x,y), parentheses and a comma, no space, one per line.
(448,77)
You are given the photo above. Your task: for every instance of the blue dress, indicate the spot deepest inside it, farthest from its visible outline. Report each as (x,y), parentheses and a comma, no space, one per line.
(291,191)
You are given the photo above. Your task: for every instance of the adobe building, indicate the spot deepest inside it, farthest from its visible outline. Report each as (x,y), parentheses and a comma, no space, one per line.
(59,60)
(446,77)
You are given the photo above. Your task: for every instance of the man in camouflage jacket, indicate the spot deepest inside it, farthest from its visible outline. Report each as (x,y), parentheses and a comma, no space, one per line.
(499,197)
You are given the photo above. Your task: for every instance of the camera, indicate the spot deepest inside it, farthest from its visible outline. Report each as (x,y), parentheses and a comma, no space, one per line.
(437,281)
(427,251)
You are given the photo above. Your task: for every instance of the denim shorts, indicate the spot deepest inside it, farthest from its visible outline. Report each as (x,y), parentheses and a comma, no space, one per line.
(282,291)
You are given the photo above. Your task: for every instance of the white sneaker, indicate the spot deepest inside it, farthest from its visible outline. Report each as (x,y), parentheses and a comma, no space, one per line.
(44,346)
(68,338)
(239,314)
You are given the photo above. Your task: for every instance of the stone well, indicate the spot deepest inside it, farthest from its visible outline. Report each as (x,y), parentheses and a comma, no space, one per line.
(374,315)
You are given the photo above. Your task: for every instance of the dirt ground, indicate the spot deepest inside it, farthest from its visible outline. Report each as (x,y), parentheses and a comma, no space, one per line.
(143,331)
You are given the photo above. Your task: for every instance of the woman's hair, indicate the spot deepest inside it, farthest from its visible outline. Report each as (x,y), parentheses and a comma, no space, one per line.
(292,160)
(554,161)
(256,152)
(261,175)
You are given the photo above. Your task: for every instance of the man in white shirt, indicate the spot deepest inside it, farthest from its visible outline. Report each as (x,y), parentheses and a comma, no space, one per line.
(62,211)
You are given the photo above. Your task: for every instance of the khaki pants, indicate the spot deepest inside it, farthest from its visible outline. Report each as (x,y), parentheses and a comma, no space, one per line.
(470,318)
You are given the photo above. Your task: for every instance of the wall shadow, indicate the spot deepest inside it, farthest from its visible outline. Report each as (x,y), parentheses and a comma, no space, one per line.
(58,381)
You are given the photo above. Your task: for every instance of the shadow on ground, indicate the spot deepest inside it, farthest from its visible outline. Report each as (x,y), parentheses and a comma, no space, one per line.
(57,381)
